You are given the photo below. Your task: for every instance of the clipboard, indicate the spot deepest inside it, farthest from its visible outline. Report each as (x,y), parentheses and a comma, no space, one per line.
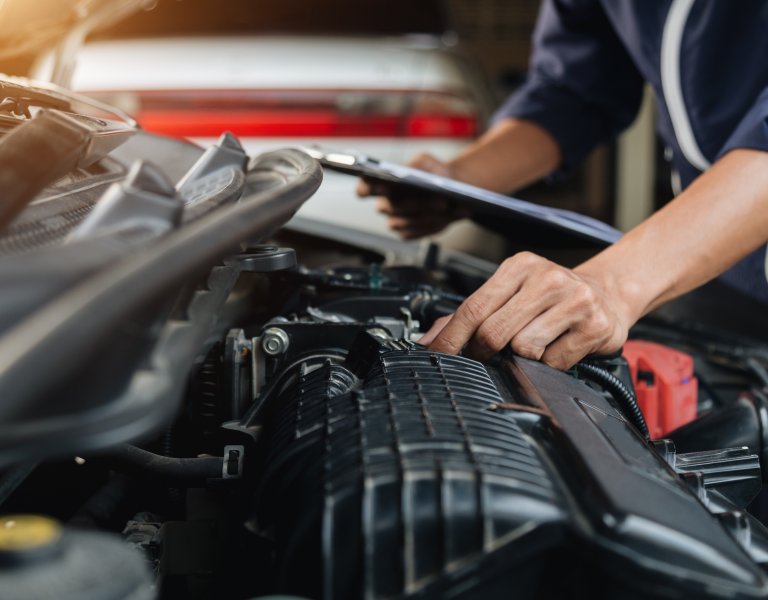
(516,217)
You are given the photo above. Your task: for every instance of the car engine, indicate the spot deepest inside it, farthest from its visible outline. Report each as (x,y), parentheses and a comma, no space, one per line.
(386,470)
(200,404)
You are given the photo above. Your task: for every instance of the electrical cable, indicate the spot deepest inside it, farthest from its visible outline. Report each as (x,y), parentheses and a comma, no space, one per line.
(620,392)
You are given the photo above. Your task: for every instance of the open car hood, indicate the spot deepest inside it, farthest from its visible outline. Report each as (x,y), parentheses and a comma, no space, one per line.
(28,28)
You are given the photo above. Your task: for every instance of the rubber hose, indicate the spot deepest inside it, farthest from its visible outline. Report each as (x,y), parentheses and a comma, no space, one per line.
(135,459)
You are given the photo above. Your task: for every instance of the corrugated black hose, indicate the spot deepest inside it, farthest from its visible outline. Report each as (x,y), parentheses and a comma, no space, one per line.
(620,392)
(182,470)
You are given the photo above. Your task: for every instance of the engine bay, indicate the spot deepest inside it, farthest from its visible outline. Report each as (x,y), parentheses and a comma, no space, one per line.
(202,402)
(321,452)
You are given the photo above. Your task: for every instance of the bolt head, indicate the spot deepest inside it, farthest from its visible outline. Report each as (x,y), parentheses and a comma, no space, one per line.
(275,341)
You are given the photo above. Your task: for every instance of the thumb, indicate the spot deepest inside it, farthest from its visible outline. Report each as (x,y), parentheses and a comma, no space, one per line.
(427,162)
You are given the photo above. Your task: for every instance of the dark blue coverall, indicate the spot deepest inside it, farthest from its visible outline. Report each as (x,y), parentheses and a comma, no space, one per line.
(706,60)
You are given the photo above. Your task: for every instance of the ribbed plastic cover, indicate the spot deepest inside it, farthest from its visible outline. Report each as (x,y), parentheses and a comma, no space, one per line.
(402,481)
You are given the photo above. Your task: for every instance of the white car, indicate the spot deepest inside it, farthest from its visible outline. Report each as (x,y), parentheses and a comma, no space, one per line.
(385,97)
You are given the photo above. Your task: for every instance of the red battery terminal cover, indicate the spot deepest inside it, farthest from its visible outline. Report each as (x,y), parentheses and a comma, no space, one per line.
(667,390)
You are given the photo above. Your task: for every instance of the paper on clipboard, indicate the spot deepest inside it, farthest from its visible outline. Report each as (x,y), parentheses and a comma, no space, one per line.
(558,221)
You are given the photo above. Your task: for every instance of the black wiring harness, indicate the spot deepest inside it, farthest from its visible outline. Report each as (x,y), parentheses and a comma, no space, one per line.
(618,390)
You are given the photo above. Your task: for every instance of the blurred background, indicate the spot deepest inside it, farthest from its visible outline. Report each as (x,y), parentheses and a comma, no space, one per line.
(384,78)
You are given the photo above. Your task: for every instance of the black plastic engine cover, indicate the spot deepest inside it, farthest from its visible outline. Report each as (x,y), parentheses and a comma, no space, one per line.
(407,473)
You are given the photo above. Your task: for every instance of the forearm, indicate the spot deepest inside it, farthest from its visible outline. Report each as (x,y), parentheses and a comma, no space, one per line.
(550,313)
(720,218)
(510,155)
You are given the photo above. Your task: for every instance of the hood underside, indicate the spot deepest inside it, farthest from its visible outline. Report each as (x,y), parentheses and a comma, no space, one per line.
(27,28)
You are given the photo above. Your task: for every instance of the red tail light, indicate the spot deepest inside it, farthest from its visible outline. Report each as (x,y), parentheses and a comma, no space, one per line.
(455,126)
(301,113)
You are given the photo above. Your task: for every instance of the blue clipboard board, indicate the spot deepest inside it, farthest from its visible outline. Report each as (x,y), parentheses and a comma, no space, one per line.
(564,226)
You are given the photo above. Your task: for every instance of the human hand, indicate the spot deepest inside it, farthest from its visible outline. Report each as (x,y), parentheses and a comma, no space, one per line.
(541,310)
(415,215)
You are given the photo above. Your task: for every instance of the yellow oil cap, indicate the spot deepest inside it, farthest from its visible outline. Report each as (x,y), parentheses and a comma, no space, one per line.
(19,533)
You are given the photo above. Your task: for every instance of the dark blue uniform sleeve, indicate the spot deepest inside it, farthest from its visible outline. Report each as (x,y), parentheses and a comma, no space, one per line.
(582,85)
(752,131)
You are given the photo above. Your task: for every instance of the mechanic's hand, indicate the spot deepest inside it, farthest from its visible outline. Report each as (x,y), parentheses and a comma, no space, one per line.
(542,310)
(415,215)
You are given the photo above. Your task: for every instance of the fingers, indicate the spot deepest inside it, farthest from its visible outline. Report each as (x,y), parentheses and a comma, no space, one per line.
(409,229)
(600,337)
(541,310)
(405,207)
(566,351)
(366,187)
(362,188)
(436,328)
(413,218)
(423,161)
(517,324)
(417,215)
(427,162)
(480,306)
(410,207)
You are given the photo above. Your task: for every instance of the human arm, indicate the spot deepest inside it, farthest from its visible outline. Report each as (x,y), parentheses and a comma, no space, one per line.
(485,163)
(544,311)
(582,89)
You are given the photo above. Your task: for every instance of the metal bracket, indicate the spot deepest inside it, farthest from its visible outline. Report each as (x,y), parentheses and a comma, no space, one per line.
(232,468)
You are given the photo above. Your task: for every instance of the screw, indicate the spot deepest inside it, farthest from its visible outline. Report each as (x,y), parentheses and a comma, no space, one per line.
(275,341)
